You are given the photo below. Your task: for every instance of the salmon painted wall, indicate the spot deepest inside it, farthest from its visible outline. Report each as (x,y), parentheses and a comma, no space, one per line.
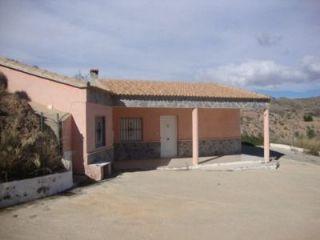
(94,110)
(62,97)
(213,123)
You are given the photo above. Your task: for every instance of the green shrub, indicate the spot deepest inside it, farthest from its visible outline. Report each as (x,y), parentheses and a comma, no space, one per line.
(310,132)
(308,118)
(252,140)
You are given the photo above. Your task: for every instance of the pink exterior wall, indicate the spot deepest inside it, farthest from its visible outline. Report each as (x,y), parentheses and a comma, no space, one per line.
(213,123)
(94,110)
(67,134)
(62,97)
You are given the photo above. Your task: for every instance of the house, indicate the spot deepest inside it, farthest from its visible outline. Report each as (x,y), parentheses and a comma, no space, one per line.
(120,120)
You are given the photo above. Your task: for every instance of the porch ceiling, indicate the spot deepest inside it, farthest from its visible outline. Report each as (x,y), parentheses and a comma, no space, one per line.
(148,102)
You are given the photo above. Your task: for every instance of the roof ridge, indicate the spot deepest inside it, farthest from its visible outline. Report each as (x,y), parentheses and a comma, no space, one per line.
(132,87)
(41,72)
(157,81)
(141,86)
(184,82)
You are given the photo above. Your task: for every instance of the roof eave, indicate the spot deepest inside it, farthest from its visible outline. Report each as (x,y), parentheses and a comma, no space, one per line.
(193,98)
(81,86)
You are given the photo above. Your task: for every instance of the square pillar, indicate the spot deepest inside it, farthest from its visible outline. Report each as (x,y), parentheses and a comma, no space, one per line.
(266,141)
(195,136)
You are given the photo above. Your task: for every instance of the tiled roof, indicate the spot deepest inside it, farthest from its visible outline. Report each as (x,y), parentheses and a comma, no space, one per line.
(33,70)
(135,88)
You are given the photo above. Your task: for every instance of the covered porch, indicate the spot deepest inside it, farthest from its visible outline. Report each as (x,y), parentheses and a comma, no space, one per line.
(196,136)
(195,142)
(176,123)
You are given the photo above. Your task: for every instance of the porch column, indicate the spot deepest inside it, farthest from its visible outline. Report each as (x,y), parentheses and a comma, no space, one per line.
(195,137)
(266,142)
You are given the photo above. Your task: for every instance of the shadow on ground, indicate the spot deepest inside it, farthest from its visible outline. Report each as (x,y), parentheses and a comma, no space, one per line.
(258,152)
(152,164)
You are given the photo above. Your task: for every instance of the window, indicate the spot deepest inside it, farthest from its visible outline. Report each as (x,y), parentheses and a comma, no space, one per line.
(130,129)
(100,132)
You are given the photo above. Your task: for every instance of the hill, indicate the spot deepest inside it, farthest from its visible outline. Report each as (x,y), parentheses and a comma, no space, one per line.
(291,121)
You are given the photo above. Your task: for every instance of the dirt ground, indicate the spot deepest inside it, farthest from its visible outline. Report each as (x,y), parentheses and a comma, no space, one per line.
(194,204)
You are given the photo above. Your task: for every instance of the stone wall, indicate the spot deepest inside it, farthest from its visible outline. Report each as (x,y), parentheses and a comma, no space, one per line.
(210,147)
(105,155)
(134,151)
(138,150)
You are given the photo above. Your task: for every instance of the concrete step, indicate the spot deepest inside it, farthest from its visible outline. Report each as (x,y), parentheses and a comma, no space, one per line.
(229,166)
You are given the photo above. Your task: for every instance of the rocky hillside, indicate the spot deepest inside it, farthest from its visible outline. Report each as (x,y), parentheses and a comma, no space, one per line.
(290,120)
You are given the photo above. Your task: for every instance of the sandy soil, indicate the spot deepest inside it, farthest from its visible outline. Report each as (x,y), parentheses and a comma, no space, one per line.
(257,204)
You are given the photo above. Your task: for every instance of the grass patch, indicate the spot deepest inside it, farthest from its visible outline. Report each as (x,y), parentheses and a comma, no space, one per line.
(251,140)
(311,146)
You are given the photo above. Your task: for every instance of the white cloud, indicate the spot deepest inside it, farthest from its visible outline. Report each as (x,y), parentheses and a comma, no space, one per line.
(165,39)
(265,74)
(311,65)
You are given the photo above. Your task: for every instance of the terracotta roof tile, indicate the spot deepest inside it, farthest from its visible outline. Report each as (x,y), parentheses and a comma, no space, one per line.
(176,89)
(143,88)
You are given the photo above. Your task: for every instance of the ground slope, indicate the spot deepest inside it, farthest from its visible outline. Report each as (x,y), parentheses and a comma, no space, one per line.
(287,121)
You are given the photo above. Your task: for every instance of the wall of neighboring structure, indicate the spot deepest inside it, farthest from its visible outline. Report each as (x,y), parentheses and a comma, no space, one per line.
(99,104)
(60,96)
(219,131)
(104,153)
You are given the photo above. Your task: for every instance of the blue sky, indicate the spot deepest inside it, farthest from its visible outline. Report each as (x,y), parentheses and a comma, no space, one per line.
(271,47)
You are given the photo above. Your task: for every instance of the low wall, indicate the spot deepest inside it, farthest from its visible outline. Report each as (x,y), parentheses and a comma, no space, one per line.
(104,155)
(286,147)
(138,150)
(25,190)
(142,150)
(210,147)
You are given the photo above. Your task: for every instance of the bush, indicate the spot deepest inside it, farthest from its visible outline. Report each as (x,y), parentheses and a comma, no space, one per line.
(3,82)
(25,149)
(252,140)
(310,132)
(308,118)
(311,146)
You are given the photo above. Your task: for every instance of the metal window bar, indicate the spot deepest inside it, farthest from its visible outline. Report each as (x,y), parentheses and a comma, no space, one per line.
(130,129)
(100,131)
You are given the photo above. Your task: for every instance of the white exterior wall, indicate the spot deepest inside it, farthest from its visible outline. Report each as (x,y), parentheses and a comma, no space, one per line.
(25,190)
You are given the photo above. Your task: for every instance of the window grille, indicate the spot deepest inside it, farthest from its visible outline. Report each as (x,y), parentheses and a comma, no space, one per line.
(130,129)
(100,132)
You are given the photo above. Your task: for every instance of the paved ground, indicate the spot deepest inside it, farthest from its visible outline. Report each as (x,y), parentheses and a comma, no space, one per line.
(183,162)
(256,204)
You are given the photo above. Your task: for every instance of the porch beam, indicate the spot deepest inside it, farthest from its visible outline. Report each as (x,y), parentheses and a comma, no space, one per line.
(185,103)
(266,141)
(195,136)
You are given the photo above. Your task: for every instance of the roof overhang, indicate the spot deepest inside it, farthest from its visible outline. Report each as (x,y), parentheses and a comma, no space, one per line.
(175,102)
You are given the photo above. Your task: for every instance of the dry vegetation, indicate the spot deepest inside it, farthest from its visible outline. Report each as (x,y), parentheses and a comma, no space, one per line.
(25,150)
(292,121)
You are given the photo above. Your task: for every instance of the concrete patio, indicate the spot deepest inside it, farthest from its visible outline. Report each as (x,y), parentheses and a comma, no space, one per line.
(249,158)
(279,205)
